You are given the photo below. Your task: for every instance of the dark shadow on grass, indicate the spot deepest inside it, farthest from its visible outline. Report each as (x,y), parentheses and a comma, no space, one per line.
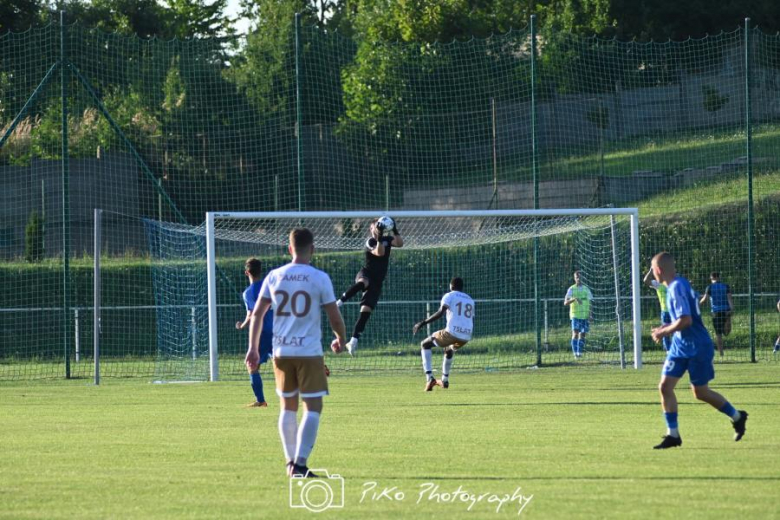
(573,403)
(751,384)
(526,478)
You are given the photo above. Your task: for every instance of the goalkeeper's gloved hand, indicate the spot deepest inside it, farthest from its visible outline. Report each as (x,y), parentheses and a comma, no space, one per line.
(378,231)
(395,228)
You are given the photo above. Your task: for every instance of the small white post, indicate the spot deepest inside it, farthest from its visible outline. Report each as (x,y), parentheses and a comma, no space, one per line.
(96,297)
(387,192)
(76,333)
(621,340)
(194,332)
(637,317)
(212,297)
(427,315)
(546,325)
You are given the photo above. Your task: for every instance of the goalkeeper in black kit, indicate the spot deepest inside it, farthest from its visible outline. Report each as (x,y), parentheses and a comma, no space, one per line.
(384,237)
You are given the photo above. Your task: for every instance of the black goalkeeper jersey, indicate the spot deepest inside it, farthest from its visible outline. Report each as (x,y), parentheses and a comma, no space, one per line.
(376,266)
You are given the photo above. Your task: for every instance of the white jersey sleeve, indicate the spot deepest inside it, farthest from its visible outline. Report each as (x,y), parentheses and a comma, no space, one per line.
(460,314)
(297,293)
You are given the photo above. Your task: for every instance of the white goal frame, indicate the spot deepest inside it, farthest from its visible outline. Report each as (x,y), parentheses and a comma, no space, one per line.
(211,216)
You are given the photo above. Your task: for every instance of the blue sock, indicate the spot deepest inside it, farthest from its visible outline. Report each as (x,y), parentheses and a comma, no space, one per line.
(671,419)
(257,386)
(574,346)
(581,346)
(728,410)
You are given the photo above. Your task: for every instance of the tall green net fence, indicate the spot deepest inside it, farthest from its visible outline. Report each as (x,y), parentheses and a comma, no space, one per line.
(686,131)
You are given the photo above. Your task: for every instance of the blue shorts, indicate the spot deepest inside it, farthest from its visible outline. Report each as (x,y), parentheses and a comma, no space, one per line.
(266,346)
(580,325)
(700,368)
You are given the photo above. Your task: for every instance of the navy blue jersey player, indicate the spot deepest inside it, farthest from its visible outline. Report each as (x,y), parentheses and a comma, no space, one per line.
(691,350)
(384,237)
(253,271)
(721,306)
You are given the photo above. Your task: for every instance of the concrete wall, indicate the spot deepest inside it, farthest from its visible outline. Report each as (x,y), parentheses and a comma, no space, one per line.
(109,182)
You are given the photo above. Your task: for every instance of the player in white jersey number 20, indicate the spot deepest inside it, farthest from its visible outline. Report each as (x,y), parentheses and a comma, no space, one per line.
(297,291)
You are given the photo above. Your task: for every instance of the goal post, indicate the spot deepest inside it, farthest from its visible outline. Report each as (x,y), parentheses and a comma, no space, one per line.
(491,246)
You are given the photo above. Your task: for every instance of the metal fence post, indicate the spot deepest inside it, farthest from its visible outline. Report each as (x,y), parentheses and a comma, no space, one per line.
(64,68)
(535,168)
(750,215)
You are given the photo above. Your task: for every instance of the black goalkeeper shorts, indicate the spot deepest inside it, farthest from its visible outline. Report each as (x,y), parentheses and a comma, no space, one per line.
(370,296)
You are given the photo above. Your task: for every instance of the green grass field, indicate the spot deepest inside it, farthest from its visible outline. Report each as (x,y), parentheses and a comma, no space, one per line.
(577,439)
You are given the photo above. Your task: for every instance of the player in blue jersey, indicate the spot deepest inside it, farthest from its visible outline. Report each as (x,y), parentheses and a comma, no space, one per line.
(721,307)
(691,350)
(777,343)
(253,270)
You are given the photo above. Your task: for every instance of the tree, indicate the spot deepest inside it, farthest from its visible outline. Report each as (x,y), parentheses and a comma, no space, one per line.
(33,238)
(19,15)
(198,18)
(404,91)
(143,18)
(266,70)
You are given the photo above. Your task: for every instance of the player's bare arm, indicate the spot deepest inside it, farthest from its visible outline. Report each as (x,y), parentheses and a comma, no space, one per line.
(337,325)
(433,317)
(398,241)
(255,322)
(681,323)
(242,324)
(379,250)
(704,297)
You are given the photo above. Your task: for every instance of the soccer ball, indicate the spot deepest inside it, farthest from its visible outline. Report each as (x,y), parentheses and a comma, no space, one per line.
(385,224)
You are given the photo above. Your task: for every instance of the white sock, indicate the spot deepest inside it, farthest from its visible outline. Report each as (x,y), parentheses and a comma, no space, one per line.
(307,435)
(445,367)
(427,357)
(674,432)
(288,429)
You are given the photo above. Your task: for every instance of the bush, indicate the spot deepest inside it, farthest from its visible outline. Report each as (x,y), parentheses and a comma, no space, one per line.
(33,238)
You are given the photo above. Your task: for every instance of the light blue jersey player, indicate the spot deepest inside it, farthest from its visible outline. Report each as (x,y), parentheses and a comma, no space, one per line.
(691,350)
(253,270)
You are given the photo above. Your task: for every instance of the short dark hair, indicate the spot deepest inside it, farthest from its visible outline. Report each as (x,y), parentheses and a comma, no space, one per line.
(457,283)
(301,238)
(253,267)
(715,274)
(664,260)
